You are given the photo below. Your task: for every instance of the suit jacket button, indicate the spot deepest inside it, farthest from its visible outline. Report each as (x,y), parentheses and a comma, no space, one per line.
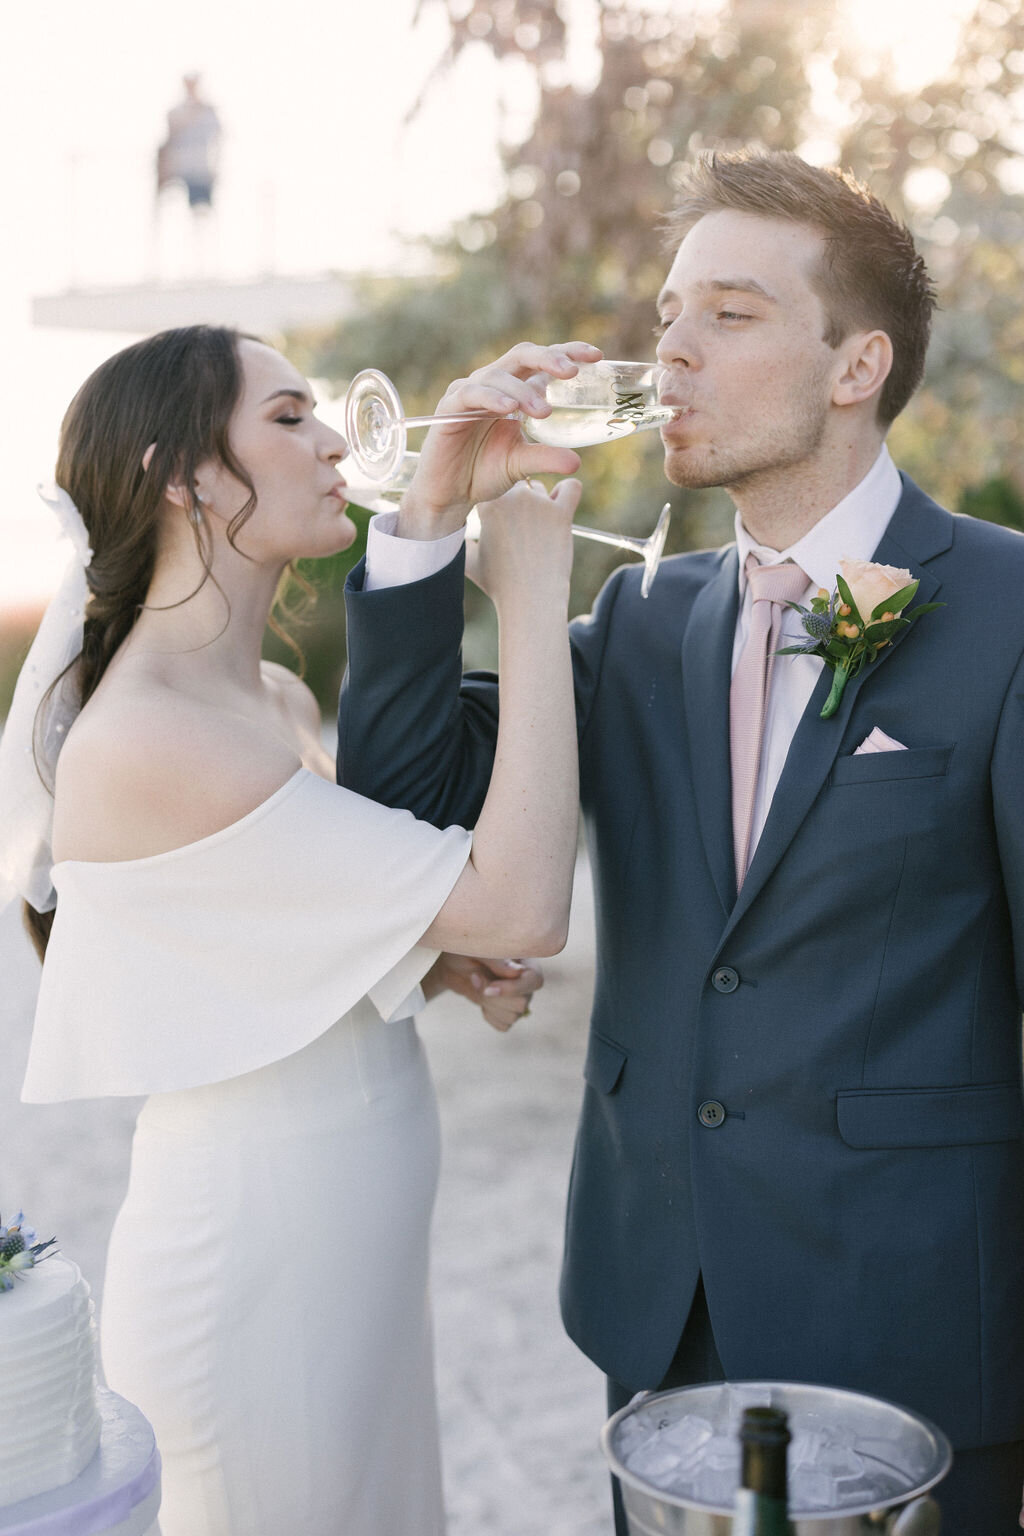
(711,1113)
(725,979)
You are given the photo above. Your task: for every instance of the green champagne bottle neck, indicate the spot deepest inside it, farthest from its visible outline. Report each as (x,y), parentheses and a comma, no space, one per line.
(761,1508)
(755,1514)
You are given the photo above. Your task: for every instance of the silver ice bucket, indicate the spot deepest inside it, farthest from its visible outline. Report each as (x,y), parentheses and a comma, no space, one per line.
(890,1456)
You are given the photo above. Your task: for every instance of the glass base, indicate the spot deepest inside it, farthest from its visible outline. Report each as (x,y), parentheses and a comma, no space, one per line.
(374,426)
(654,548)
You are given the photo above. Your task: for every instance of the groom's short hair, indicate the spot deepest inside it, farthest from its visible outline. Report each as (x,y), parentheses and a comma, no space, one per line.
(872,277)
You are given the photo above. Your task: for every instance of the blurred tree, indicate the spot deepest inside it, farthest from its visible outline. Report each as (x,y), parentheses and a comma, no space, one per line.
(997,501)
(16,634)
(572,248)
(948,159)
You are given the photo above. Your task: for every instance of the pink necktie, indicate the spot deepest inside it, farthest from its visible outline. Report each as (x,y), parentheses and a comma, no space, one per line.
(772,586)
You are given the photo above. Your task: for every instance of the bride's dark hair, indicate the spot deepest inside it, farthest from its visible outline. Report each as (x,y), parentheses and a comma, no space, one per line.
(177,389)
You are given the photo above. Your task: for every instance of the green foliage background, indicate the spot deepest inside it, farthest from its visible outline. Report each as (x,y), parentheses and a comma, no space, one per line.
(573,248)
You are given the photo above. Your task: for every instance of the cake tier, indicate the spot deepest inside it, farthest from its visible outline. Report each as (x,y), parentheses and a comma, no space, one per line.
(49,1422)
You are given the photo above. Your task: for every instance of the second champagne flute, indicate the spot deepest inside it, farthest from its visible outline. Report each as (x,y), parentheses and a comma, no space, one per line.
(382,498)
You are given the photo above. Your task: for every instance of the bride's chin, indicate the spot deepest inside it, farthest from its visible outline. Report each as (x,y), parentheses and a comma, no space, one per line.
(344,537)
(341,537)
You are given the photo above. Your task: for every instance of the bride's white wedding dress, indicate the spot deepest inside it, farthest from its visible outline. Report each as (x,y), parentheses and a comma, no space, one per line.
(266,1294)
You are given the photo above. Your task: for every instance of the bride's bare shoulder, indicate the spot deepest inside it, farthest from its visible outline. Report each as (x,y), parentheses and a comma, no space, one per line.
(146,769)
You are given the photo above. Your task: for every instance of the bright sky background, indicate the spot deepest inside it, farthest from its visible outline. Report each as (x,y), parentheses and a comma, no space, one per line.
(317,170)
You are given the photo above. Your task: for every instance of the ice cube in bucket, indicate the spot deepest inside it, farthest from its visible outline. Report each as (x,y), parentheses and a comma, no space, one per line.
(851,1455)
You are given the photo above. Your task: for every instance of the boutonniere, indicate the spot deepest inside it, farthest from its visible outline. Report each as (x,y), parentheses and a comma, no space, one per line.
(850,628)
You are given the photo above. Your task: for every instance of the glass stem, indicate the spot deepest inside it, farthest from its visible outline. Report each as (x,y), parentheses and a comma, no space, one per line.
(620,540)
(429,421)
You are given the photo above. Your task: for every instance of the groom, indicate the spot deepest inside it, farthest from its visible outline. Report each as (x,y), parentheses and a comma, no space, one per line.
(799,1155)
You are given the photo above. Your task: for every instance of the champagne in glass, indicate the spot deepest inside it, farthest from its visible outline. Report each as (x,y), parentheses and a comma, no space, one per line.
(602,402)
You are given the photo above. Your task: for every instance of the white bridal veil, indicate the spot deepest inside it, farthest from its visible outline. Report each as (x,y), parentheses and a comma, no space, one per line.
(29,747)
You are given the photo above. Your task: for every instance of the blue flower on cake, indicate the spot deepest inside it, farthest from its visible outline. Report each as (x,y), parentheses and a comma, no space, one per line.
(19,1250)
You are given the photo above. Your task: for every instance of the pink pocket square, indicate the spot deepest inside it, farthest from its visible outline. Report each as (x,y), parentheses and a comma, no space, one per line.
(878,741)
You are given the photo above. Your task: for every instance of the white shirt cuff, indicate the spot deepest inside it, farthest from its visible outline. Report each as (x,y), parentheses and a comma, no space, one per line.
(392,561)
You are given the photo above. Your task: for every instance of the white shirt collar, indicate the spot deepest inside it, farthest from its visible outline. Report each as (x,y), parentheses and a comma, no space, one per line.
(851,531)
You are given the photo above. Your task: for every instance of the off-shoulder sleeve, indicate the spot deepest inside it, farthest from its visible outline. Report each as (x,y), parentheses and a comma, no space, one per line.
(218,958)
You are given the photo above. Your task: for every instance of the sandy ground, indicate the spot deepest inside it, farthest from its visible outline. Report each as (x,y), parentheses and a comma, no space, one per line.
(521,1408)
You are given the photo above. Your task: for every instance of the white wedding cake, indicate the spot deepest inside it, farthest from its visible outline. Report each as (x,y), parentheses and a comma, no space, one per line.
(49,1419)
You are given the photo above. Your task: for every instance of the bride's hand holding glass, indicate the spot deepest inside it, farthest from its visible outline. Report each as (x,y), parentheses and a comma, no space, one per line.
(475,461)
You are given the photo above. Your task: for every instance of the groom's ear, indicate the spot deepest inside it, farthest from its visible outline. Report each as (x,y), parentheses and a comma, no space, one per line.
(863,365)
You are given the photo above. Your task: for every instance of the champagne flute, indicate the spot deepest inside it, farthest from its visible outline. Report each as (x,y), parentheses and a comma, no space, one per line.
(602,402)
(383,498)
(377,495)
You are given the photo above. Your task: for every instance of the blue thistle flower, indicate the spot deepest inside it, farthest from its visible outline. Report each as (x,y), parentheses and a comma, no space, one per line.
(818,626)
(19,1250)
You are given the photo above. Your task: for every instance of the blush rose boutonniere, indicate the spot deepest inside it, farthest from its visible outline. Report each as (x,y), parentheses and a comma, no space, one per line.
(850,628)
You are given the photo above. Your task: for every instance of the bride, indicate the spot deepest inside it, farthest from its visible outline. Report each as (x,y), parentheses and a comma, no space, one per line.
(242,941)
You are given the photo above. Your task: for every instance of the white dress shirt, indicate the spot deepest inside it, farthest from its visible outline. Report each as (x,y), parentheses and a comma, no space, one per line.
(392,562)
(852,530)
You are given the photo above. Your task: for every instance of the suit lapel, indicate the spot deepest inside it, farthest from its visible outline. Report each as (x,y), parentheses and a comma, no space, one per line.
(917,531)
(707,665)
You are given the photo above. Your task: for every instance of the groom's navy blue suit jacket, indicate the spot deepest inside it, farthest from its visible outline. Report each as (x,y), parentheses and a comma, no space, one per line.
(858,1211)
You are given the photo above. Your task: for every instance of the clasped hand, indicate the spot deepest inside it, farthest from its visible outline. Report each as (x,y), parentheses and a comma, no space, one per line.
(502,989)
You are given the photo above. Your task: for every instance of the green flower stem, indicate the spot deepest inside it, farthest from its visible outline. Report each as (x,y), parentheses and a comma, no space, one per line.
(839,677)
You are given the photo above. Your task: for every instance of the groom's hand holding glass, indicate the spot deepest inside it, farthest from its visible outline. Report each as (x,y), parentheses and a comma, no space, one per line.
(471,462)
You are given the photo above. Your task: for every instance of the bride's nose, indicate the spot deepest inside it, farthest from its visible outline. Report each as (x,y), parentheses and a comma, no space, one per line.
(334,446)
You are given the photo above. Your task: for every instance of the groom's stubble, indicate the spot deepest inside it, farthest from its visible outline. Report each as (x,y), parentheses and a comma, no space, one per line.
(783,436)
